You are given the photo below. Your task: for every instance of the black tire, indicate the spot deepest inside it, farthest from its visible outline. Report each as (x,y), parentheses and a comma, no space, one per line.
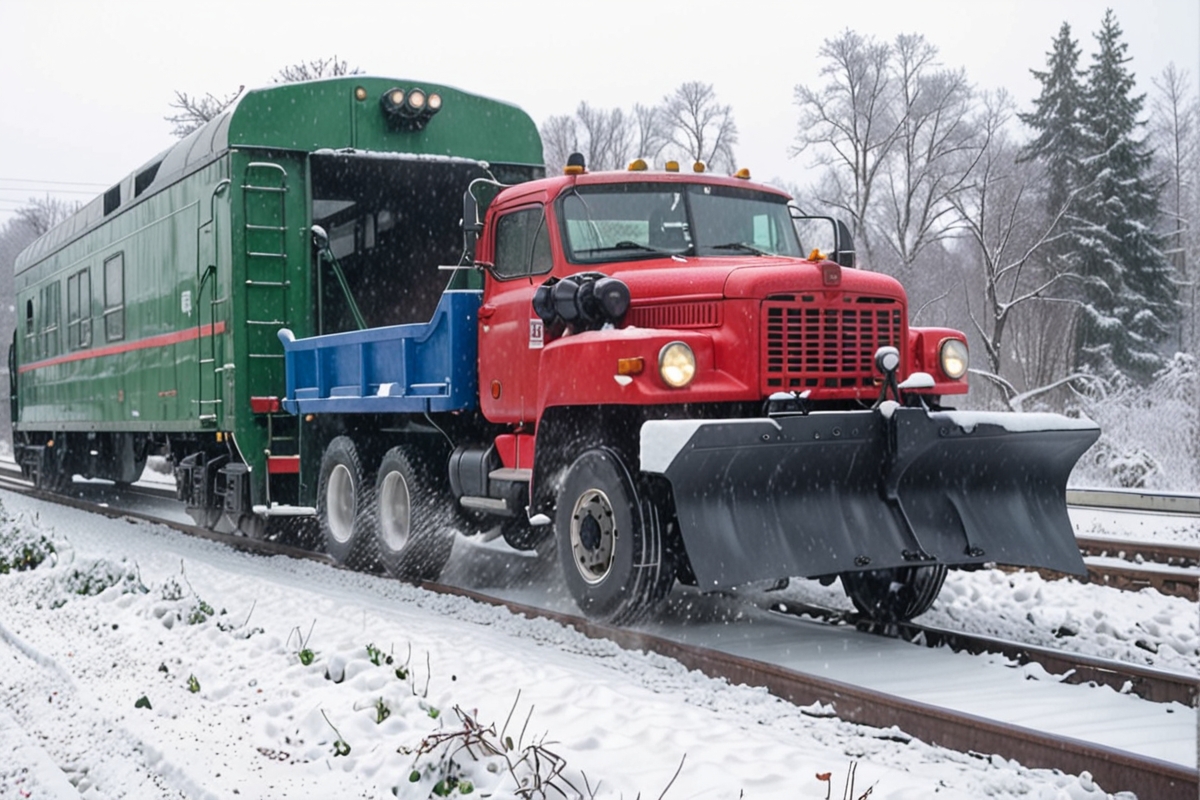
(611,540)
(894,595)
(52,475)
(412,519)
(344,502)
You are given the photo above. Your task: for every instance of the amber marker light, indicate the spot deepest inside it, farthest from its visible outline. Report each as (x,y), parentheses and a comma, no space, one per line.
(672,166)
(742,173)
(637,165)
(631,366)
(698,166)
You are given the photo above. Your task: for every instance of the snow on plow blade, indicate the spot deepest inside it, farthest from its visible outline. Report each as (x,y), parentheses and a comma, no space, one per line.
(831,492)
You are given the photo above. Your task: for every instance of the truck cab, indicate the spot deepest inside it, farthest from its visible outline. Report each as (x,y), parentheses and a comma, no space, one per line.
(671,384)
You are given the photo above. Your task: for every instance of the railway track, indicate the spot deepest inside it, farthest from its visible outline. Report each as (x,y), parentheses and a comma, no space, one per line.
(1115,769)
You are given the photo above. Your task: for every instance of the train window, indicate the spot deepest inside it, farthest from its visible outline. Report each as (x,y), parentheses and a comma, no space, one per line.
(50,299)
(112,199)
(79,310)
(30,340)
(114,297)
(144,179)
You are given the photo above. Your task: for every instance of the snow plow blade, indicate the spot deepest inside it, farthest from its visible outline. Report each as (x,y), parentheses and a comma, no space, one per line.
(832,492)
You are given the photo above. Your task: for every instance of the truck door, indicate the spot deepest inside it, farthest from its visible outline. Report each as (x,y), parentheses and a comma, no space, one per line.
(511,336)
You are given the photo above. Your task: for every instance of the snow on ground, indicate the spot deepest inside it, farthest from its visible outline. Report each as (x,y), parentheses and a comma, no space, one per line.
(184,678)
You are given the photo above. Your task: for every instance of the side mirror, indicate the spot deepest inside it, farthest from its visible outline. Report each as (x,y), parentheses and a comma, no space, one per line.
(844,254)
(839,248)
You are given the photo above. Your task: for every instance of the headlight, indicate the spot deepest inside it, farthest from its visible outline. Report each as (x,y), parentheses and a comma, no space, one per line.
(954,358)
(677,364)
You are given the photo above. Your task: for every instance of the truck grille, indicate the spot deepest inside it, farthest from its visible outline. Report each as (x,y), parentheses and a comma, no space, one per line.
(810,343)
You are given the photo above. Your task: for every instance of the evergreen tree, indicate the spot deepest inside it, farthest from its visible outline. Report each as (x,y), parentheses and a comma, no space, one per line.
(1129,298)
(1055,118)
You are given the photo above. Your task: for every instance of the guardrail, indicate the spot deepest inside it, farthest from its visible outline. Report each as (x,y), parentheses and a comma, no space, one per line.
(1135,500)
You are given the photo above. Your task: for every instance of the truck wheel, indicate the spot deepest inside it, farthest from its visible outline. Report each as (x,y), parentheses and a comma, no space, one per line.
(412,536)
(343,505)
(611,540)
(894,595)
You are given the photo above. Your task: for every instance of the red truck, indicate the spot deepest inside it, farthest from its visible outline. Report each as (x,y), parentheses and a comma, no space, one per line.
(650,370)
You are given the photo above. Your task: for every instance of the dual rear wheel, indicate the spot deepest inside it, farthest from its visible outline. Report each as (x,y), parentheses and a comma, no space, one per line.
(391,518)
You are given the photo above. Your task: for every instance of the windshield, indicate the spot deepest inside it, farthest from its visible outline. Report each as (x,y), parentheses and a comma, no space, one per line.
(623,221)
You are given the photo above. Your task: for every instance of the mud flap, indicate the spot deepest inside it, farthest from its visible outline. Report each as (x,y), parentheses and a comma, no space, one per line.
(831,492)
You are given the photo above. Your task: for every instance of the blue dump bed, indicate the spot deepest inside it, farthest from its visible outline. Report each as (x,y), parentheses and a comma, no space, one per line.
(423,367)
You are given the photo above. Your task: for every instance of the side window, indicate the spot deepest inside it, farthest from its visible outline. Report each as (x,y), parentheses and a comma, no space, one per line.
(31,351)
(522,244)
(79,310)
(51,298)
(114,298)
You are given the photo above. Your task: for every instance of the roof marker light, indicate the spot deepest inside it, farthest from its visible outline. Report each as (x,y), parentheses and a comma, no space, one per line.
(742,173)
(672,166)
(575,165)
(698,166)
(638,165)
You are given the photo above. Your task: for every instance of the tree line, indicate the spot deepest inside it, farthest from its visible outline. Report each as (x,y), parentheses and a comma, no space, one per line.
(1063,237)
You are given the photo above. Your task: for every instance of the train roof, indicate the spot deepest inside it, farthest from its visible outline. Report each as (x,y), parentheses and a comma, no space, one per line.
(295,117)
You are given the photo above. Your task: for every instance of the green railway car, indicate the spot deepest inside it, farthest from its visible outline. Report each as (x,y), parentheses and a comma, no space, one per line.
(148,321)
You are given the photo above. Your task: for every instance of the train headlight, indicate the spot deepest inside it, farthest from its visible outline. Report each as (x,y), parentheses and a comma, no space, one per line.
(953,355)
(409,109)
(677,364)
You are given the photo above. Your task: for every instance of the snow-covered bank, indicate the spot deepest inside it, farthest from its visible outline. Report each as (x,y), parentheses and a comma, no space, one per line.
(260,723)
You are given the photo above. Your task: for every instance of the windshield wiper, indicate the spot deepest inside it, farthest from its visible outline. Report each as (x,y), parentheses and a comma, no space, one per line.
(745,248)
(625,244)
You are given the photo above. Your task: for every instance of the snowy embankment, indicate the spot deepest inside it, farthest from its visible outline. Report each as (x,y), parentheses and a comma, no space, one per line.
(140,663)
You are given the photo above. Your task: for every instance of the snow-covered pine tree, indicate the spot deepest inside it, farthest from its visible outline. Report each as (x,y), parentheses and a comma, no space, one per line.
(1130,300)
(1059,142)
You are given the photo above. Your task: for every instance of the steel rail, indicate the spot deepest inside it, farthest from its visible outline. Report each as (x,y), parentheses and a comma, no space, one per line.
(1116,770)
(1175,555)
(1135,500)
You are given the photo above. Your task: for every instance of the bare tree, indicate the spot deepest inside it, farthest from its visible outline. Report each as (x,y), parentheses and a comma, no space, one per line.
(1174,112)
(699,127)
(650,136)
(560,138)
(608,136)
(1000,208)
(316,69)
(196,110)
(935,150)
(603,136)
(851,125)
(41,215)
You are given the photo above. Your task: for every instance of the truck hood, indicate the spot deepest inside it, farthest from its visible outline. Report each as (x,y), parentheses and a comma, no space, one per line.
(726,278)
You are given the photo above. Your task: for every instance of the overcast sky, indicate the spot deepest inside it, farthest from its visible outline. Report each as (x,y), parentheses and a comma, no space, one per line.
(84,85)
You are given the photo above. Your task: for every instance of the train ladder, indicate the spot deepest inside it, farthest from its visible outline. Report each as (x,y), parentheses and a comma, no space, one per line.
(264,194)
